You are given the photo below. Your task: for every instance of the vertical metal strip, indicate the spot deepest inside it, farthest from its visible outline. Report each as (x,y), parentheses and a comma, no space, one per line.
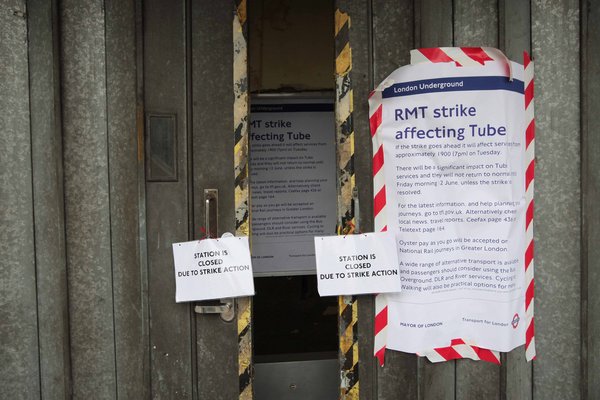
(348,305)
(242,209)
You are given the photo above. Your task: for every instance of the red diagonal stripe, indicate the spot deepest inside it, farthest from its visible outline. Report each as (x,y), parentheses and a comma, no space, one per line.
(435,55)
(529,255)
(378,160)
(455,342)
(526,59)
(529,294)
(529,333)
(528,94)
(371,93)
(384,229)
(529,215)
(477,54)
(486,355)
(529,174)
(530,133)
(380,354)
(381,320)
(379,201)
(375,120)
(448,353)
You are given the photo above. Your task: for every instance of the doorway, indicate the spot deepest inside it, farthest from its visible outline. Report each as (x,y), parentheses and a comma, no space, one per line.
(293,196)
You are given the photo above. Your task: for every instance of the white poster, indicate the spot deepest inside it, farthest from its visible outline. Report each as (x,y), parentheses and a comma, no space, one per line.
(292,182)
(453,149)
(212,269)
(357,264)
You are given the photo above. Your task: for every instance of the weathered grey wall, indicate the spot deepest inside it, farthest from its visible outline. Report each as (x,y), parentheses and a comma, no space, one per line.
(19,368)
(515,37)
(46,142)
(87,199)
(555,47)
(101,198)
(78,316)
(130,318)
(590,69)
(550,31)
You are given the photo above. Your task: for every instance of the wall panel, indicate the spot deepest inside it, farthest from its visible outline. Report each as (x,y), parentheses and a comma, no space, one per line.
(515,37)
(591,196)
(130,340)
(46,141)
(555,49)
(433,23)
(87,199)
(19,369)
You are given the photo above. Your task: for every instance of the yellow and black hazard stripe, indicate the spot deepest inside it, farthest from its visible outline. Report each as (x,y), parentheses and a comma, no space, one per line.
(348,320)
(245,348)
(348,306)
(344,111)
(242,202)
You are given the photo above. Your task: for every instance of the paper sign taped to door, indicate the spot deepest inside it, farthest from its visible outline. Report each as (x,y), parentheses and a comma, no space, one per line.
(212,269)
(357,264)
(452,170)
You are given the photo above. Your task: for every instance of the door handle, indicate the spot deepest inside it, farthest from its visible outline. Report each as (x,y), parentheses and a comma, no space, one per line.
(211,222)
(211,212)
(226,309)
(356,210)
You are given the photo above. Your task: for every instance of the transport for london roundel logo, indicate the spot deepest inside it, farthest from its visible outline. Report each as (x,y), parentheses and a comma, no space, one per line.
(515,321)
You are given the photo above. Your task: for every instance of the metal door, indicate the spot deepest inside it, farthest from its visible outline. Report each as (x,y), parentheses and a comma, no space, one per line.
(195,112)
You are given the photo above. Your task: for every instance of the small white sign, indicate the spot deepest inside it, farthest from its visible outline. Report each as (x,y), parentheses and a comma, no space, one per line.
(357,264)
(212,269)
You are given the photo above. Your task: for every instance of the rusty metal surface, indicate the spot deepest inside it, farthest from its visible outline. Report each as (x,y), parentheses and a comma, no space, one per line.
(19,369)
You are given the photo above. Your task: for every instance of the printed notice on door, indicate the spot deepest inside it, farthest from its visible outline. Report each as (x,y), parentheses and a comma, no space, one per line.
(292,182)
(212,269)
(453,144)
(357,264)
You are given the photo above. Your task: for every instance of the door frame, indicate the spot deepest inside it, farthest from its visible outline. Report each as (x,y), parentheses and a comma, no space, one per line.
(347,195)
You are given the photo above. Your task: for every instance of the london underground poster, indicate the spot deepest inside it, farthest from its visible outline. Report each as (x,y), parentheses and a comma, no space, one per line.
(452,147)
